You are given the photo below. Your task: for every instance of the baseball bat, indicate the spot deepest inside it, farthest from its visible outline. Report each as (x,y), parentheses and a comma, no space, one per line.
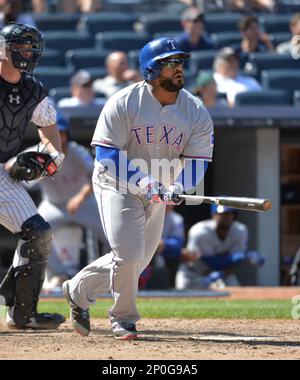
(242,203)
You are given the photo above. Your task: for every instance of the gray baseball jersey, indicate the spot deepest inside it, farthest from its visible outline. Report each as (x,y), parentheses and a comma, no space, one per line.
(202,237)
(133,120)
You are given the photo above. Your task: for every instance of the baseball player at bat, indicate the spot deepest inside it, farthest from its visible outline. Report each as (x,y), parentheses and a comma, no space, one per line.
(155,119)
(23,100)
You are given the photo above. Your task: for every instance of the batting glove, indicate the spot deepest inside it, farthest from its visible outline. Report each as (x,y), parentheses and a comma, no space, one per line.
(150,189)
(171,196)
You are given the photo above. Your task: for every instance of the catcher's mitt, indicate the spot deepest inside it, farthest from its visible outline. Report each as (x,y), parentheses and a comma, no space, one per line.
(32,165)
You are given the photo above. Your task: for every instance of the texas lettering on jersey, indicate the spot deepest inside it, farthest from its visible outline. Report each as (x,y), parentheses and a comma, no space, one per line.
(148,134)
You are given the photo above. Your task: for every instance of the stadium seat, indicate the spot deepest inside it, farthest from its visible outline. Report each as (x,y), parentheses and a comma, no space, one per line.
(167,34)
(68,40)
(83,58)
(296,98)
(124,41)
(97,72)
(125,5)
(263,98)
(133,59)
(285,79)
(202,60)
(156,23)
(51,57)
(288,6)
(278,38)
(222,22)
(53,76)
(258,62)
(107,22)
(56,21)
(226,38)
(59,93)
(275,23)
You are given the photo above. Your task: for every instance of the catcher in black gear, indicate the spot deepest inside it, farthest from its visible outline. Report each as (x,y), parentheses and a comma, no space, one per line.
(24,100)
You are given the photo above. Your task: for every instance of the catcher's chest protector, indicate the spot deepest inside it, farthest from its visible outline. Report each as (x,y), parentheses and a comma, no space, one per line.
(17,104)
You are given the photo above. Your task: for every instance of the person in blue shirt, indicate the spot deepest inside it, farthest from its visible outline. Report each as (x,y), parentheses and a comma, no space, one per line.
(194,37)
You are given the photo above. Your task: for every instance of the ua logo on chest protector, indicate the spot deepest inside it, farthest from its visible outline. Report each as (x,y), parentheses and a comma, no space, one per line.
(14,99)
(17,104)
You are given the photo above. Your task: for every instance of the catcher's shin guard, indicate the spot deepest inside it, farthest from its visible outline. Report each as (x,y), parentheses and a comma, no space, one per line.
(7,287)
(22,284)
(29,279)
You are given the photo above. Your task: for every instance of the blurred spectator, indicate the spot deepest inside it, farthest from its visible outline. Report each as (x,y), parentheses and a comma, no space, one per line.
(11,11)
(82,92)
(194,37)
(227,77)
(215,248)
(206,90)
(119,75)
(288,46)
(67,6)
(253,40)
(68,199)
(249,5)
(161,272)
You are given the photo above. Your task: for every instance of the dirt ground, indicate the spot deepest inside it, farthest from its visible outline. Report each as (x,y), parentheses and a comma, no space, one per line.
(161,339)
(165,339)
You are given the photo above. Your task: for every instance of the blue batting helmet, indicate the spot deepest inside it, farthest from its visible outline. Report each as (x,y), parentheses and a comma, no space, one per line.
(156,50)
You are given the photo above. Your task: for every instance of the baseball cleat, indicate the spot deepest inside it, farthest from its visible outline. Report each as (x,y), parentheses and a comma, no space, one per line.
(124,331)
(79,317)
(39,321)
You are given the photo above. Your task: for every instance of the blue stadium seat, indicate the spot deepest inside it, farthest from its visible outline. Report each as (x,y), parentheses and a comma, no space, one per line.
(125,5)
(107,22)
(263,98)
(296,98)
(166,34)
(54,76)
(222,22)
(226,38)
(156,23)
(265,61)
(202,60)
(97,72)
(133,59)
(275,23)
(83,58)
(51,57)
(59,93)
(278,38)
(288,6)
(124,41)
(56,21)
(285,79)
(67,40)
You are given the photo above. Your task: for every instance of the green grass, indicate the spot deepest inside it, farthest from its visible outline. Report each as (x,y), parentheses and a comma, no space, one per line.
(190,308)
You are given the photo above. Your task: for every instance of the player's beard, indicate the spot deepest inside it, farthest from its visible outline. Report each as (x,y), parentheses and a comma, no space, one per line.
(169,85)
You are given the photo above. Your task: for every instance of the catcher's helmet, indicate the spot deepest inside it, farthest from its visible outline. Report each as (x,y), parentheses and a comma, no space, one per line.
(156,50)
(22,34)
